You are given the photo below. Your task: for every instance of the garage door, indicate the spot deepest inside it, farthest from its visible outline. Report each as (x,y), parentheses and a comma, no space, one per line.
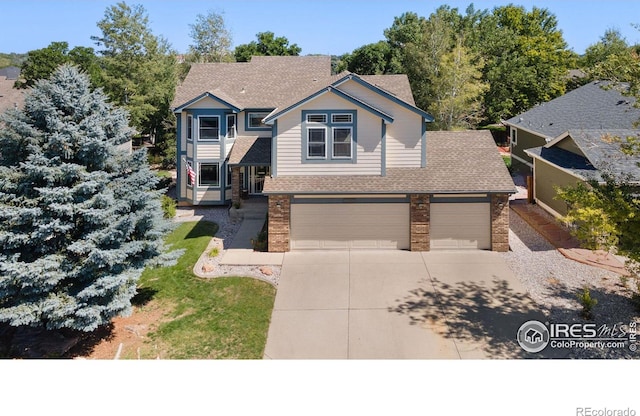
(460,226)
(349,226)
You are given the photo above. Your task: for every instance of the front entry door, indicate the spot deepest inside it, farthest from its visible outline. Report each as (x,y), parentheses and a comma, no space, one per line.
(256,178)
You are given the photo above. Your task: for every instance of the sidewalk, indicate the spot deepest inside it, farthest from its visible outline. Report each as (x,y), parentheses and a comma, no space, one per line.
(560,237)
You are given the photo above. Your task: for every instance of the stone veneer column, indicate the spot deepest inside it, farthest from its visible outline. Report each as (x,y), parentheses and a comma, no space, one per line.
(500,222)
(279,222)
(419,221)
(235,185)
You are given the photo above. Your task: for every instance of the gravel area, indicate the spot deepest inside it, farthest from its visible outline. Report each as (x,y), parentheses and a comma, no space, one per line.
(226,232)
(554,282)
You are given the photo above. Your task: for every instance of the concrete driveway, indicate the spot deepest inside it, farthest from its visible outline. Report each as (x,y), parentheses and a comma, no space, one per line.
(397,304)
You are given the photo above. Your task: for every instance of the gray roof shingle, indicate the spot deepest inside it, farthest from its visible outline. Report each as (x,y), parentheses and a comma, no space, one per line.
(602,154)
(588,107)
(457,162)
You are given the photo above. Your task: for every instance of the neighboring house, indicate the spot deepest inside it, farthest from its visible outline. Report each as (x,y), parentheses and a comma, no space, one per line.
(10,97)
(345,160)
(564,141)
(577,156)
(586,108)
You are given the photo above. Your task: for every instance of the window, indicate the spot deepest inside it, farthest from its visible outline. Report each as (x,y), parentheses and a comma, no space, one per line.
(231,126)
(514,136)
(316,118)
(317,141)
(209,128)
(208,174)
(341,118)
(342,142)
(189,127)
(255,121)
(329,136)
(228,181)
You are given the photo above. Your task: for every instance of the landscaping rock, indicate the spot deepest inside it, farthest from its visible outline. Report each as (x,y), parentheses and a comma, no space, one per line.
(208,268)
(266,270)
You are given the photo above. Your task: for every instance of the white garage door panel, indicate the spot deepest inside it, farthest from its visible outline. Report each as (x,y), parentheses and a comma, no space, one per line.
(460,226)
(350,226)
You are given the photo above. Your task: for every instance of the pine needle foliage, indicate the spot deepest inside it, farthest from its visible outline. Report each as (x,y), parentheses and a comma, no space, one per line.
(80,218)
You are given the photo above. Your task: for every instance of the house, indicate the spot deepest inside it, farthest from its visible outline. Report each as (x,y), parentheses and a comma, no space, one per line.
(568,140)
(10,97)
(577,156)
(345,160)
(592,106)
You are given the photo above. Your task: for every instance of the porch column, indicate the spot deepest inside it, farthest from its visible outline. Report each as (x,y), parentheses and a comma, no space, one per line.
(235,185)
(419,222)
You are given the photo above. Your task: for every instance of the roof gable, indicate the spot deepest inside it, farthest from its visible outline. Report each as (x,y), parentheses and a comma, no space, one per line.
(588,107)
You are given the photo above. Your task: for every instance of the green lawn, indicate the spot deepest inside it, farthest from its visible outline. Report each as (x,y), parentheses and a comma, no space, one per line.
(209,318)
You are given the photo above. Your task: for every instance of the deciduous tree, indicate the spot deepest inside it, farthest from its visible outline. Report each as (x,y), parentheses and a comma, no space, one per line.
(267,45)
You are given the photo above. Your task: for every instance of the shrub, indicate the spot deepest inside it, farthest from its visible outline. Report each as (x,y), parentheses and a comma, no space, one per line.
(587,303)
(168,207)
(214,252)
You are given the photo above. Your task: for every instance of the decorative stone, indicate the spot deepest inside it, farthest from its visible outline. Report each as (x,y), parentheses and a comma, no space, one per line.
(207,267)
(266,270)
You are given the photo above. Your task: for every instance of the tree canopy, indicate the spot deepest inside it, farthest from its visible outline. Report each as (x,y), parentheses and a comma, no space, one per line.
(211,39)
(79,217)
(267,45)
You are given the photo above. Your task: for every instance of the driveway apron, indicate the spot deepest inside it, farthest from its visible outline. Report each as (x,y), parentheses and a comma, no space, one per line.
(397,305)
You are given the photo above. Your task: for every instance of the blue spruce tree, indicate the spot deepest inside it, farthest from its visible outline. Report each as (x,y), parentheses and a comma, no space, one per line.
(79,217)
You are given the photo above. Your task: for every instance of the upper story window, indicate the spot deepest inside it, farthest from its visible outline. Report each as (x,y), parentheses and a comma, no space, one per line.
(231,126)
(317,146)
(254,121)
(514,136)
(209,128)
(330,136)
(189,127)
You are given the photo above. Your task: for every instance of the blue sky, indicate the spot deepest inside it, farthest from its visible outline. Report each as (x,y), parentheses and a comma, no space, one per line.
(318,27)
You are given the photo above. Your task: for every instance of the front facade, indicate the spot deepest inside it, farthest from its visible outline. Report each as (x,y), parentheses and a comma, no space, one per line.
(345,160)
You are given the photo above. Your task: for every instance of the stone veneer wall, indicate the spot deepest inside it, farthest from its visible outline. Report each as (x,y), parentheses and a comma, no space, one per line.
(500,222)
(419,222)
(279,223)
(235,185)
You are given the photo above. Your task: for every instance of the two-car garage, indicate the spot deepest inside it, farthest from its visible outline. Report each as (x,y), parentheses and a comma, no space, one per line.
(377,223)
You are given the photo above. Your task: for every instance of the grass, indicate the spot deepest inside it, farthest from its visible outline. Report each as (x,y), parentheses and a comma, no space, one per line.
(224,317)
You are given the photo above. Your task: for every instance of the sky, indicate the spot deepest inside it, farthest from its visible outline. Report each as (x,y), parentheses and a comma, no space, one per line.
(319,27)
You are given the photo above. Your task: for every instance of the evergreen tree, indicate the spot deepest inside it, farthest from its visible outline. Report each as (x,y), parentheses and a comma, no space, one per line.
(79,217)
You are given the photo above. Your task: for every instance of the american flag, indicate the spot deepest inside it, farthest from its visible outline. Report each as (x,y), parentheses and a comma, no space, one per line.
(191,173)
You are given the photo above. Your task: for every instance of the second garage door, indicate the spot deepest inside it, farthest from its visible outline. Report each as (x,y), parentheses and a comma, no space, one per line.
(460,226)
(349,226)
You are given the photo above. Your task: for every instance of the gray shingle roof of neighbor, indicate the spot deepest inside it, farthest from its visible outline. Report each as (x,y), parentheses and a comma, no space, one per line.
(270,82)
(254,151)
(457,162)
(10,72)
(588,107)
(602,154)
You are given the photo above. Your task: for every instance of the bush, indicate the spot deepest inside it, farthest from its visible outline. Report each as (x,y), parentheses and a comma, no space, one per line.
(261,242)
(168,207)
(587,303)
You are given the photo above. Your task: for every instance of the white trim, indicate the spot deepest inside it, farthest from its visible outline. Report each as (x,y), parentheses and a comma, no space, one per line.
(262,115)
(333,121)
(315,115)
(199,173)
(189,127)
(333,142)
(326,139)
(199,128)
(519,159)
